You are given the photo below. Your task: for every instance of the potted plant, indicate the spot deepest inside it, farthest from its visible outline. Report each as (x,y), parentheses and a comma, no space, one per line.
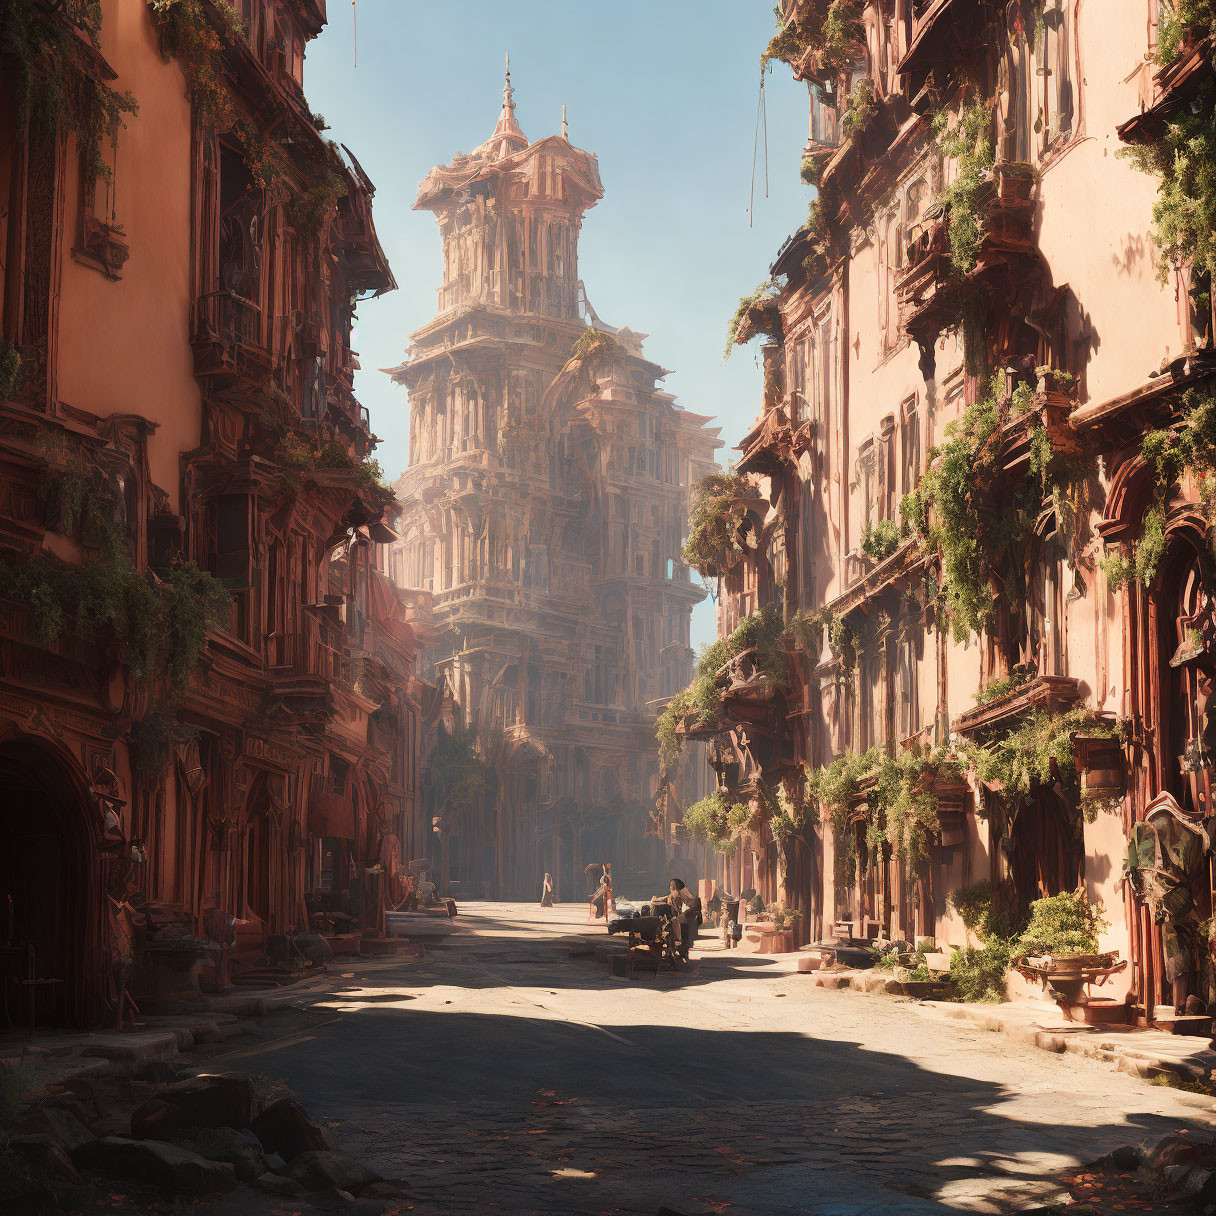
(1060,944)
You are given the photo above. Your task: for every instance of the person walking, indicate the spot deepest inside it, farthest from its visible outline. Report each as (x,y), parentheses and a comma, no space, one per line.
(546,892)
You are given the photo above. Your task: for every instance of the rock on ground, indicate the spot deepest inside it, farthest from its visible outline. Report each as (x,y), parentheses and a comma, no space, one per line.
(163,1165)
(285,1128)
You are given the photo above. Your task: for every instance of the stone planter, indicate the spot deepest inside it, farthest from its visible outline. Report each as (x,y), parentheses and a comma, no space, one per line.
(763,937)
(1066,976)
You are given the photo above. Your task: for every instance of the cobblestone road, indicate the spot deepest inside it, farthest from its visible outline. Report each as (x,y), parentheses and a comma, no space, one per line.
(502,1075)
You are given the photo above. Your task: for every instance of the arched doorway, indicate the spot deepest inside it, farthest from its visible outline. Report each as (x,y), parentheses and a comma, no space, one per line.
(49,883)
(1044,849)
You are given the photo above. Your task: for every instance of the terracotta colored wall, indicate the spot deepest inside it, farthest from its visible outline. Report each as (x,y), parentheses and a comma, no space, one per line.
(124,345)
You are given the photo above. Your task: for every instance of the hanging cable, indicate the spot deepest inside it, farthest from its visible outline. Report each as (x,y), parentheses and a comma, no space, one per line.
(354,31)
(761,133)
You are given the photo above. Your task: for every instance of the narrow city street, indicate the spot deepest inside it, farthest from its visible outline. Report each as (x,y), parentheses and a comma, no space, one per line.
(501,1074)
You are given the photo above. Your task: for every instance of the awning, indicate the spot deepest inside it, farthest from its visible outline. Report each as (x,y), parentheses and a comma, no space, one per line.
(331,815)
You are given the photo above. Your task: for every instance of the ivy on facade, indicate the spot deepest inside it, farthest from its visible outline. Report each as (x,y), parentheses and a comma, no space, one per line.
(55,80)
(1188,448)
(955,511)
(893,795)
(762,632)
(194,33)
(161,622)
(1182,154)
(10,369)
(900,806)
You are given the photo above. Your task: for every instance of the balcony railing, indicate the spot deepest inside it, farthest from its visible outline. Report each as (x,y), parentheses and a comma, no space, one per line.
(927,287)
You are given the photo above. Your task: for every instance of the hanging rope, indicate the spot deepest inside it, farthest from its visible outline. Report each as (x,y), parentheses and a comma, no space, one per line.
(761,134)
(354,31)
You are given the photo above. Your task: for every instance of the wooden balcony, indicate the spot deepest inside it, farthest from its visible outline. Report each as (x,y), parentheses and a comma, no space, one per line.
(1052,693)
(929,287)
(1174,85)
(944,34)
(229,337)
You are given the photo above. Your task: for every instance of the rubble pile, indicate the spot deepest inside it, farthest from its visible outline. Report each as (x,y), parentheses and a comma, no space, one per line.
(176,1134)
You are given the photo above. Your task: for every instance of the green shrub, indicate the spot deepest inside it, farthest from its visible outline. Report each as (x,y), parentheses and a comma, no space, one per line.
(881,539)
(1063,924)
(978,974)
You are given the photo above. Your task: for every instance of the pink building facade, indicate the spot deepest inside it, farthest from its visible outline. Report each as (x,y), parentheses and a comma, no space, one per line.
(953,506)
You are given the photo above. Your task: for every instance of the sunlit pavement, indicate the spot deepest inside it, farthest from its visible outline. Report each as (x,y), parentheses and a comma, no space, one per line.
(504,1075)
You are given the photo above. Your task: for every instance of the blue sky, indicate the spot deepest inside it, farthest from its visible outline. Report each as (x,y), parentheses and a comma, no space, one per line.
(663,91)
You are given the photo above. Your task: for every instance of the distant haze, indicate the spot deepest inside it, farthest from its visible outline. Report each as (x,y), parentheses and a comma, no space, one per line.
(664,92)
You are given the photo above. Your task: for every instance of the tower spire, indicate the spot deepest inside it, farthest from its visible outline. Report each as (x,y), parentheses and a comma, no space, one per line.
(507,137)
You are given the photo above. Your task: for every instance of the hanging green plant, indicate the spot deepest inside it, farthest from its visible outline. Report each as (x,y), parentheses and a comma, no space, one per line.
(762,632)
(831,31)
(459,772)
(311,211)
(900,806)
(152,741)
(719,506)
(977,535)
(1188,447)
(1036,752)
(966,138)
(55,80)
(162,624)
(1183,156)
(709,819)
(1178,21)
(860,108)
(764,291)
(189,35)
(302,456)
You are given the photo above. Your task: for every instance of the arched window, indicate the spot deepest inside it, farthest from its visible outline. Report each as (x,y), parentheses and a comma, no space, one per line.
(1055,69)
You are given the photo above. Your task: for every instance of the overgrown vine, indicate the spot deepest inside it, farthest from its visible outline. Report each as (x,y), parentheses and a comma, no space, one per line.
(764,291)
(1187,447)
(304,456)
(161,622)
(55,81)
(763,632)
(718,508)
(831,31)
(980,539)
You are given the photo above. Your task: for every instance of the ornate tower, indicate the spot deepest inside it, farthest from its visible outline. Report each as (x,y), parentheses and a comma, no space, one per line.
(546,499)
